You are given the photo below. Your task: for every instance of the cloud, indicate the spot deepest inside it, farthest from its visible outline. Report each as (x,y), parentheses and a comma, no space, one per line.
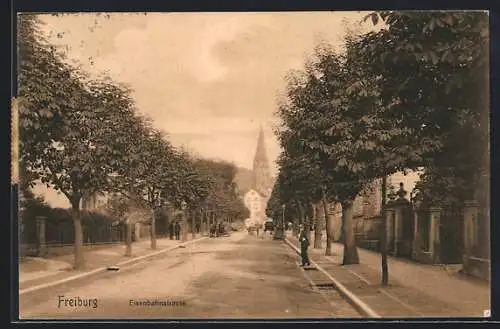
(208,79)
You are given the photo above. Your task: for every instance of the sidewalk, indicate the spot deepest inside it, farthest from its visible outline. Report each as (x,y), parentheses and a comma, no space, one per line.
(421,289)
(36,270)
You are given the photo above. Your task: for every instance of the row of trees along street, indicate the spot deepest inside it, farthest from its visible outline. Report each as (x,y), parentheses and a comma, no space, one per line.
(413,94)
(82,135)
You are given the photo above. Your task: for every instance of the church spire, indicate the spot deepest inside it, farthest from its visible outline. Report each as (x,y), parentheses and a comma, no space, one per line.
(260,154)
(261,171)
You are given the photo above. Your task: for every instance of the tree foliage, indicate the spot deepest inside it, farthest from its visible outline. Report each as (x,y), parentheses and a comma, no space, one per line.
(82,135)
(434,83)
(396,99)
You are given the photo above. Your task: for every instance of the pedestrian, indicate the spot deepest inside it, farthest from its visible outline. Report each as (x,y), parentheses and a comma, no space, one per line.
(197,227)
(221,229)
(177,231)
(213,230)
(304,244)
(171,230)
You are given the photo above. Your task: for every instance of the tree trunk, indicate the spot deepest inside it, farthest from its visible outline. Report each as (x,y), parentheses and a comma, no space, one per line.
(78,246)
(328,224)
(128,238)
(206,222)
(184,227)
(152,231)
(350,250)
(317,227)
(383,237)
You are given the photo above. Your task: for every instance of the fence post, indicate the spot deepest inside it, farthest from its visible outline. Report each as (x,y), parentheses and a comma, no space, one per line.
(470,215)
(416,234)
(434,244)
(389,226)
(41,243)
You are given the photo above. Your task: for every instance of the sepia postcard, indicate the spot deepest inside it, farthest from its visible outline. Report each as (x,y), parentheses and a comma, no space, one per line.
(253,165)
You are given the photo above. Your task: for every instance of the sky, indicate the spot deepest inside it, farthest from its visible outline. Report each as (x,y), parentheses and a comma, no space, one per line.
(207,79)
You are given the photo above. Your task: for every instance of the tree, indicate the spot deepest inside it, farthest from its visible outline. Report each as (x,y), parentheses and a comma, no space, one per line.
(152,170)
(432,70)
(441,94)
(69,125)
(195,182)
(320,122)
(393,100)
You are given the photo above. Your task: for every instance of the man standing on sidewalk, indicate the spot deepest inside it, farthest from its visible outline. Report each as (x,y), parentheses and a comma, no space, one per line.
(304,244)
(177,231)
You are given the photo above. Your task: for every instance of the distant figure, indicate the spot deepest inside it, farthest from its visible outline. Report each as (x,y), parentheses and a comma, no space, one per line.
(258,229)
(221,229)
(304,244)
(197,227)
(177,231)
(290,226)
(171,229)
(213,230)
(269,227)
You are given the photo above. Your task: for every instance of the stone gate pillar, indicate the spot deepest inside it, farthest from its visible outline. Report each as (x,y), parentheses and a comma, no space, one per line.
(470,217)
(389,228)
(400,204)
(434,239)
(417,240)
(398,228)
(40,225)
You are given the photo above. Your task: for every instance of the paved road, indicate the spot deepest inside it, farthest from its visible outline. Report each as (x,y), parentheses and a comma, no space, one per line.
(240,276)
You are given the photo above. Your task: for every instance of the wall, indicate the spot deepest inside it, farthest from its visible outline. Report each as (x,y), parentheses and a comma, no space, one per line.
(256,204)
(478,267)
(95,202)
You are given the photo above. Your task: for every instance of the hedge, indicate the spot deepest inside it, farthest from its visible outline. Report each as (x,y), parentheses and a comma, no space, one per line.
(97,227)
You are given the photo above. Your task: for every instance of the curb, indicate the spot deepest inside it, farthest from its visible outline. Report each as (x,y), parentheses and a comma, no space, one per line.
(104,269)
(361,306)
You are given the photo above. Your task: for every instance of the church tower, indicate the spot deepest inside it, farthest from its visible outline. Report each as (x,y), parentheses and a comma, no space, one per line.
(261,172)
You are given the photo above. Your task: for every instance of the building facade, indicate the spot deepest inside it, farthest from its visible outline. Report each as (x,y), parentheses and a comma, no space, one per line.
(255,204)
(367,207)
(257,196)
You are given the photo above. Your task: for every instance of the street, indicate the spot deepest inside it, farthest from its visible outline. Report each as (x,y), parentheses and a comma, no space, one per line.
(148,177)
(241,276)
